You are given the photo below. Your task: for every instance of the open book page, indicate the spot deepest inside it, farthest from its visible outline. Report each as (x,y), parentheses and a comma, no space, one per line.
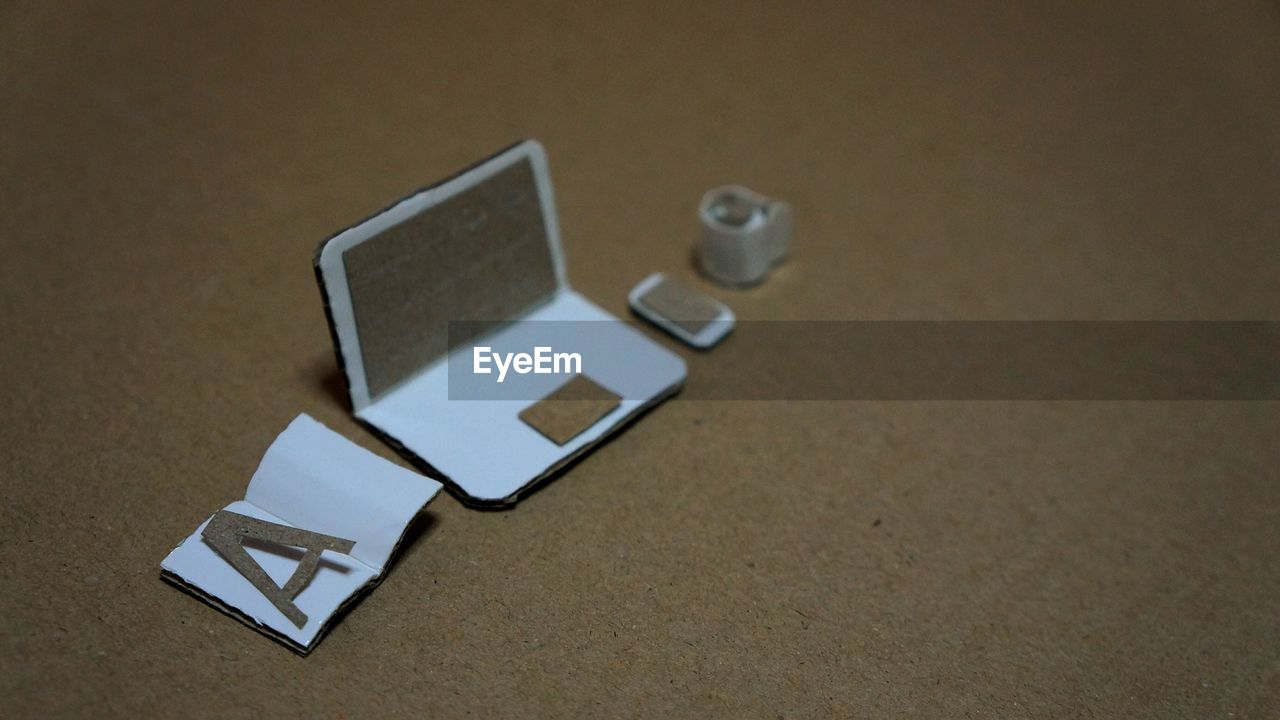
(316,479)
(313,479)
(337,578)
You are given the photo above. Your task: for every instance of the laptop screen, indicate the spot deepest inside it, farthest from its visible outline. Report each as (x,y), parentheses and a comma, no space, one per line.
(480,255)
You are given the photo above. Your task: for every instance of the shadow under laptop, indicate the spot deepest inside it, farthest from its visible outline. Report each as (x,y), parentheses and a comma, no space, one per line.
(322,373)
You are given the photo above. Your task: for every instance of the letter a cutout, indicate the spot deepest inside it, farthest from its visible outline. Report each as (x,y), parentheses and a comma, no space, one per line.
(226,531)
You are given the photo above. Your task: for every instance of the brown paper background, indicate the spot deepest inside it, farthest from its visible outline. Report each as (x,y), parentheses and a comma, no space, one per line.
(168,172)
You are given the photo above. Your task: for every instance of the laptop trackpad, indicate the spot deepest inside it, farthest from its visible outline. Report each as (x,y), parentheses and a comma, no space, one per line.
(570,409)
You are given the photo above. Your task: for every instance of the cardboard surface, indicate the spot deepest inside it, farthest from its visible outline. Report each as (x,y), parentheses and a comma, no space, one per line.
(481,255)
(168,170)
(681,305)
(684,312)
(226,532)
(570,409)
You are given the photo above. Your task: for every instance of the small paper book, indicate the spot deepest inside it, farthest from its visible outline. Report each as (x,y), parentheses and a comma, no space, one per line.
(318,525)
(482,246)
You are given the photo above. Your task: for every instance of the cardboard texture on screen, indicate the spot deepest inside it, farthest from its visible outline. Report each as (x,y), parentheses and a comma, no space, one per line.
(433,268)
(344,507)
(480,249)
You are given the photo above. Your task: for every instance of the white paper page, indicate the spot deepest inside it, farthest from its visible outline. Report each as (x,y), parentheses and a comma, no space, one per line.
(482,445)
(318,480)
(336,579)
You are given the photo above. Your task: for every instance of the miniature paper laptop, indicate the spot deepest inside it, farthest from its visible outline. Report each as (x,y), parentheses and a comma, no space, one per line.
(317,527)
(482,246)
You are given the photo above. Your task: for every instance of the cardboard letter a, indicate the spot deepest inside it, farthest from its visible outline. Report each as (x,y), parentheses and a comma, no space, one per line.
(226,531)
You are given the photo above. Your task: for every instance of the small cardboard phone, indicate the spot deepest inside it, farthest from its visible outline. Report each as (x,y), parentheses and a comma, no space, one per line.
(317,527)
(482,248)
(690,316)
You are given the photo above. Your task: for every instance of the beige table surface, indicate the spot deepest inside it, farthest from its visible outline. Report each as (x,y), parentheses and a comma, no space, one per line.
(168,171)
